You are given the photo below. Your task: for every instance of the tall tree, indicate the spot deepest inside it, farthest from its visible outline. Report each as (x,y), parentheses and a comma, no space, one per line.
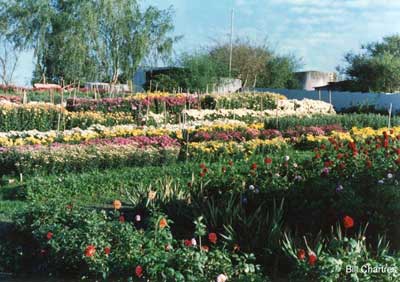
(376,68)
(87,40)
(248,59)
(8,61)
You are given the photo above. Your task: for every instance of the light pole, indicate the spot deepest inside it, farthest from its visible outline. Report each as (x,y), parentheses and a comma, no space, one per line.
(231,47)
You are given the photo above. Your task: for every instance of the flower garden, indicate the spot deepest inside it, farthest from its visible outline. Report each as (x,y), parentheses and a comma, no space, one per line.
(182,187)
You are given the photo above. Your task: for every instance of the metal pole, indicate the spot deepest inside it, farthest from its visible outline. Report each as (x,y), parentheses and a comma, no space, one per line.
(231,49)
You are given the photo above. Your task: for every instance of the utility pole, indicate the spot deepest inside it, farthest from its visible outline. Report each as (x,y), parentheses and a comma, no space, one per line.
(231,50)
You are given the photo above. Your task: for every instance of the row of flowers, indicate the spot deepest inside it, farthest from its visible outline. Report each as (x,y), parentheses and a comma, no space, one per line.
(45,116)
(9,98)
(159,102)
(226,130)
(97,153)
(284,108)
(142,102)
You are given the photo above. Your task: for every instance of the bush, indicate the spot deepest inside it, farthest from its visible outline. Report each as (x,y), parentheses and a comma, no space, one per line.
(61,238)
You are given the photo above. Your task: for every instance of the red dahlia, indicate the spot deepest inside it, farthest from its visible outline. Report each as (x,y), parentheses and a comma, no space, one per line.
(139,271)
(312,258)
(348,222)
(212,237)
(49,235)
(268,161)
(301,254)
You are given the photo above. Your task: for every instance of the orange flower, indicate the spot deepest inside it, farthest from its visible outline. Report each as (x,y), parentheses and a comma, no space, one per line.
(117,204)
(90,251)
(163,223)
(301,254)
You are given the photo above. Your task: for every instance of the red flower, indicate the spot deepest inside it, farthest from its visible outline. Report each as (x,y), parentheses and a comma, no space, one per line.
(312,258)
(49,235)
(328,163)
(107,250)
(121,219)
(205,248)
(301,254)
(90,251)
(139,271)
(254,166)
(212,237)
(386,143)
(187,243)
(378,146)
(339,156)
(202,174)
(317,155)
(268,161)
(202,166)
(398,161)
(348,222)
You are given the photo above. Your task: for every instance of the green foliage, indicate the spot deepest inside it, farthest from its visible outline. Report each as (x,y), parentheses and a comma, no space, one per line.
(377,69)
(279,73)
(347,121)
(88,40)
(254,64)
(61,236)
(344,258)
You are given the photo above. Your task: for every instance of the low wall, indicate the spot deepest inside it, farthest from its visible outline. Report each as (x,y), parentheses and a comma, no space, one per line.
(343,100)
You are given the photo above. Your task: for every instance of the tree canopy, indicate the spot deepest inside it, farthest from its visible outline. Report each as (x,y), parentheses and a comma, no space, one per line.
(255,64)
(377,67)
(87,40)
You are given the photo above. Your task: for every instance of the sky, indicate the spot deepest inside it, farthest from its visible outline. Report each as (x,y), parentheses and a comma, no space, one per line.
(319,32)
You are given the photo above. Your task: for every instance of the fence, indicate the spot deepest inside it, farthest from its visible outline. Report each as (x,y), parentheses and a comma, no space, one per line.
(343,100)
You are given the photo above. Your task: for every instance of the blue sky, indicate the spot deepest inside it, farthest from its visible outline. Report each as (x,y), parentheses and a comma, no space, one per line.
(318,31)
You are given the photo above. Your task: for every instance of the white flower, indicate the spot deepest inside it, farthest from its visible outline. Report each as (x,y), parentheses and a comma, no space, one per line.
(381,181)
(298,178)
(138,218)
(222,278)
(251,187)
(287,158)
(390,176)
(194,242)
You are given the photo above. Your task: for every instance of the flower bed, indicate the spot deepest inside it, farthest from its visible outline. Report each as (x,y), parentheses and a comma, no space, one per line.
(9,98)
(44,116)
(89,155)
(155,102)
(284,108)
